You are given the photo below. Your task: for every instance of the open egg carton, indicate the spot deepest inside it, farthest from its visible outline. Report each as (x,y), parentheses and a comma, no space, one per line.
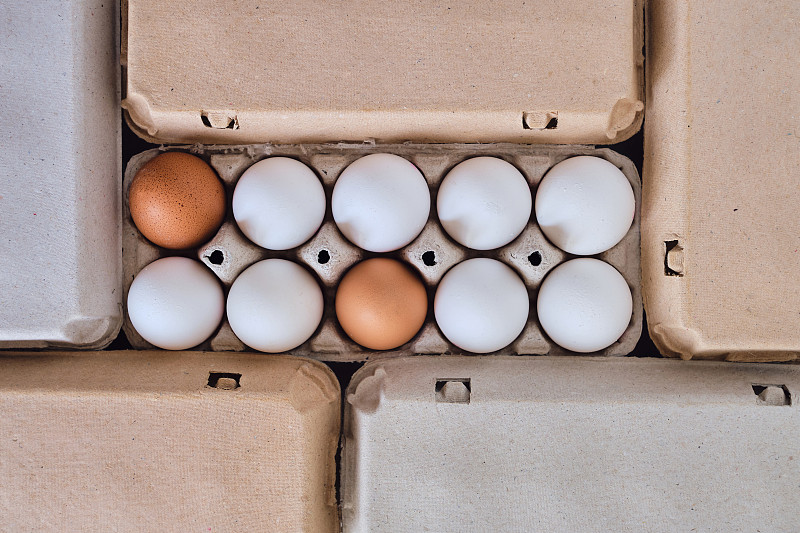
(328,254)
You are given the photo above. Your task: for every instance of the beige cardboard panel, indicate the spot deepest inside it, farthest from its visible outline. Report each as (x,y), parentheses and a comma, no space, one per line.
(139,441)
(245,71)
(60,174)
(722,180)
(570,444)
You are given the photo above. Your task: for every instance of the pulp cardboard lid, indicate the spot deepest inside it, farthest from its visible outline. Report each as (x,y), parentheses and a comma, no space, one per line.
(167,441)
(721,188)
(246,71)
(570,444)
(60,175)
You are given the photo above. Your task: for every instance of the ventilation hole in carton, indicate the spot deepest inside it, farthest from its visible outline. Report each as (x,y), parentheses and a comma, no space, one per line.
(535,258)
(540,120)
(224,380)
(772,394)
(429,258)
(673,258)
(216,257)
(219,122)
(323,257)
(453,390)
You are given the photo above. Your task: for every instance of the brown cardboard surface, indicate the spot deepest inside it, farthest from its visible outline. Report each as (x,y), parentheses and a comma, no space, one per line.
(434,161)
(60,174)
(139,441)
(722,180)
(570,444)
(244,71)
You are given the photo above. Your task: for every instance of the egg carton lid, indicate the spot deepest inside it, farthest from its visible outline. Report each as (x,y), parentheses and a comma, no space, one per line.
(721,188)
(239,72)
(167,441)
(569,444)
(60,175)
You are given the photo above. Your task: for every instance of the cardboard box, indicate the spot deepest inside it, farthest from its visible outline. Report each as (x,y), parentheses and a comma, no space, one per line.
(160,441)
(720,230)
(60,174)
(570,444)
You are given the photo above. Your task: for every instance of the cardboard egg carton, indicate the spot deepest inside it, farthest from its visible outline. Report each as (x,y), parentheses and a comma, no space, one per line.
(328,254)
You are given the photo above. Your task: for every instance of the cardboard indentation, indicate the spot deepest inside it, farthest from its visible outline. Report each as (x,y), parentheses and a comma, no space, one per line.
(329,255)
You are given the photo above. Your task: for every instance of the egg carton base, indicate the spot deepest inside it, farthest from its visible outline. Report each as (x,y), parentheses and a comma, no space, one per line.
(328,254)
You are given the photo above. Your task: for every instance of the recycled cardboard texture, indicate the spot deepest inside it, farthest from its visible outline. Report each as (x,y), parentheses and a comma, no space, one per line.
(434,161)
(138,441)
(245,72)
(60,174)
(570,444)
(722,180)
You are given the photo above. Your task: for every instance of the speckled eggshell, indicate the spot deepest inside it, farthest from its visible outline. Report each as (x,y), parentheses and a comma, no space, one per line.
(381,303)
(177,201)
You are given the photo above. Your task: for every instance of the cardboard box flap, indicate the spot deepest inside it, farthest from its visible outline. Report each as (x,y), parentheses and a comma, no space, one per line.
(570,444)
(163,441)
(721,232)
(244,71)
(60,175)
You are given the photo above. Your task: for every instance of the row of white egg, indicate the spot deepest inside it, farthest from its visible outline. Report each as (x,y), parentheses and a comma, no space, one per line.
(481,305)
(381,202)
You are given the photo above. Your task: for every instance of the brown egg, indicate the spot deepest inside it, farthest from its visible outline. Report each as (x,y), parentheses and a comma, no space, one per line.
(177,201)
(381,303)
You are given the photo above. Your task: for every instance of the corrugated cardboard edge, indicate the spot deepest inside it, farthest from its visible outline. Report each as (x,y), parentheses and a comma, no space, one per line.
(310,387)
(618,124)
(666,191)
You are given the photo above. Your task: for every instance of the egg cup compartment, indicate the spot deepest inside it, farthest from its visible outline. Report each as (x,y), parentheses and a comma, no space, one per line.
(328,254)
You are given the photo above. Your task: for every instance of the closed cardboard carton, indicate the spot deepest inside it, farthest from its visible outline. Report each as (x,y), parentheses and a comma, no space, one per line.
(160,441)
(721,185)
(60,175)
(570,444)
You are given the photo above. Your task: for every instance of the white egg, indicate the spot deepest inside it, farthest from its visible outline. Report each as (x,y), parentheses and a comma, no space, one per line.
(175,303)
(481,305)
(274,305)
(484,203)
(381,202)
(584,305)
(585,205)
(279,203)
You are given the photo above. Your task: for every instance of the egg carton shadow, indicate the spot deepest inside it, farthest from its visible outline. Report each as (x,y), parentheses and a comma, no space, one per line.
(328,254)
